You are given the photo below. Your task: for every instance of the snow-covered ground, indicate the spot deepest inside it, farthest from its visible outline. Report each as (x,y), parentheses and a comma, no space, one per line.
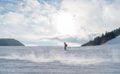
(104,59)
(114,41)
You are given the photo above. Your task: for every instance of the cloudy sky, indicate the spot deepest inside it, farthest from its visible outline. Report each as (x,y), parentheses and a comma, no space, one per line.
(51,22)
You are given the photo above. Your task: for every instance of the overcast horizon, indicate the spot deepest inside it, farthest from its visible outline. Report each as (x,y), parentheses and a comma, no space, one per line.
(52,22)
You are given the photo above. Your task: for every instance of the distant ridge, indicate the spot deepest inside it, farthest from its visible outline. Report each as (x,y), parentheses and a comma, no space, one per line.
(10,42)
(104,38)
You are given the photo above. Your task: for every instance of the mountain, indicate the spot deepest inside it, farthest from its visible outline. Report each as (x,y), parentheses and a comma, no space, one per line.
(10,42)
(103,38)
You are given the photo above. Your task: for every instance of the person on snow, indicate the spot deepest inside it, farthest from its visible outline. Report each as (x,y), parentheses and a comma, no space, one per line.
(65,45)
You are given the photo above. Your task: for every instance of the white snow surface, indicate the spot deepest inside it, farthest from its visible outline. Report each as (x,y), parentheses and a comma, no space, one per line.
(103,59)
(113,41)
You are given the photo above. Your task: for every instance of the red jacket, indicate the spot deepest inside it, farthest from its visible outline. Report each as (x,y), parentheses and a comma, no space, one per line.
(65,44)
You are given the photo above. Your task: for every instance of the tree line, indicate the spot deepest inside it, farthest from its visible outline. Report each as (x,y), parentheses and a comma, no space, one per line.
(103,38)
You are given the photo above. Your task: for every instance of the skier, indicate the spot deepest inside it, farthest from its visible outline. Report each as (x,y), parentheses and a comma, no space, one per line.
(65,45)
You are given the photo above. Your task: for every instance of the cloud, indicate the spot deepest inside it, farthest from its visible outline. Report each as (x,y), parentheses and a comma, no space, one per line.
(43,22)
(27,20)
(30,17)
(90,15)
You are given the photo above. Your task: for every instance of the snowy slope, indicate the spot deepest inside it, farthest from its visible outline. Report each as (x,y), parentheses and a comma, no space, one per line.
(104,59)
(54,60)
(113,41)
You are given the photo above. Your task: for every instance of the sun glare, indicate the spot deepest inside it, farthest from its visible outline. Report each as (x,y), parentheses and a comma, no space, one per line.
(65,24)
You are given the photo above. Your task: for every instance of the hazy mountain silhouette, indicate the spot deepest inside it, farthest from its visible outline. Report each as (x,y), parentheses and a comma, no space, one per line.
(10,42)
